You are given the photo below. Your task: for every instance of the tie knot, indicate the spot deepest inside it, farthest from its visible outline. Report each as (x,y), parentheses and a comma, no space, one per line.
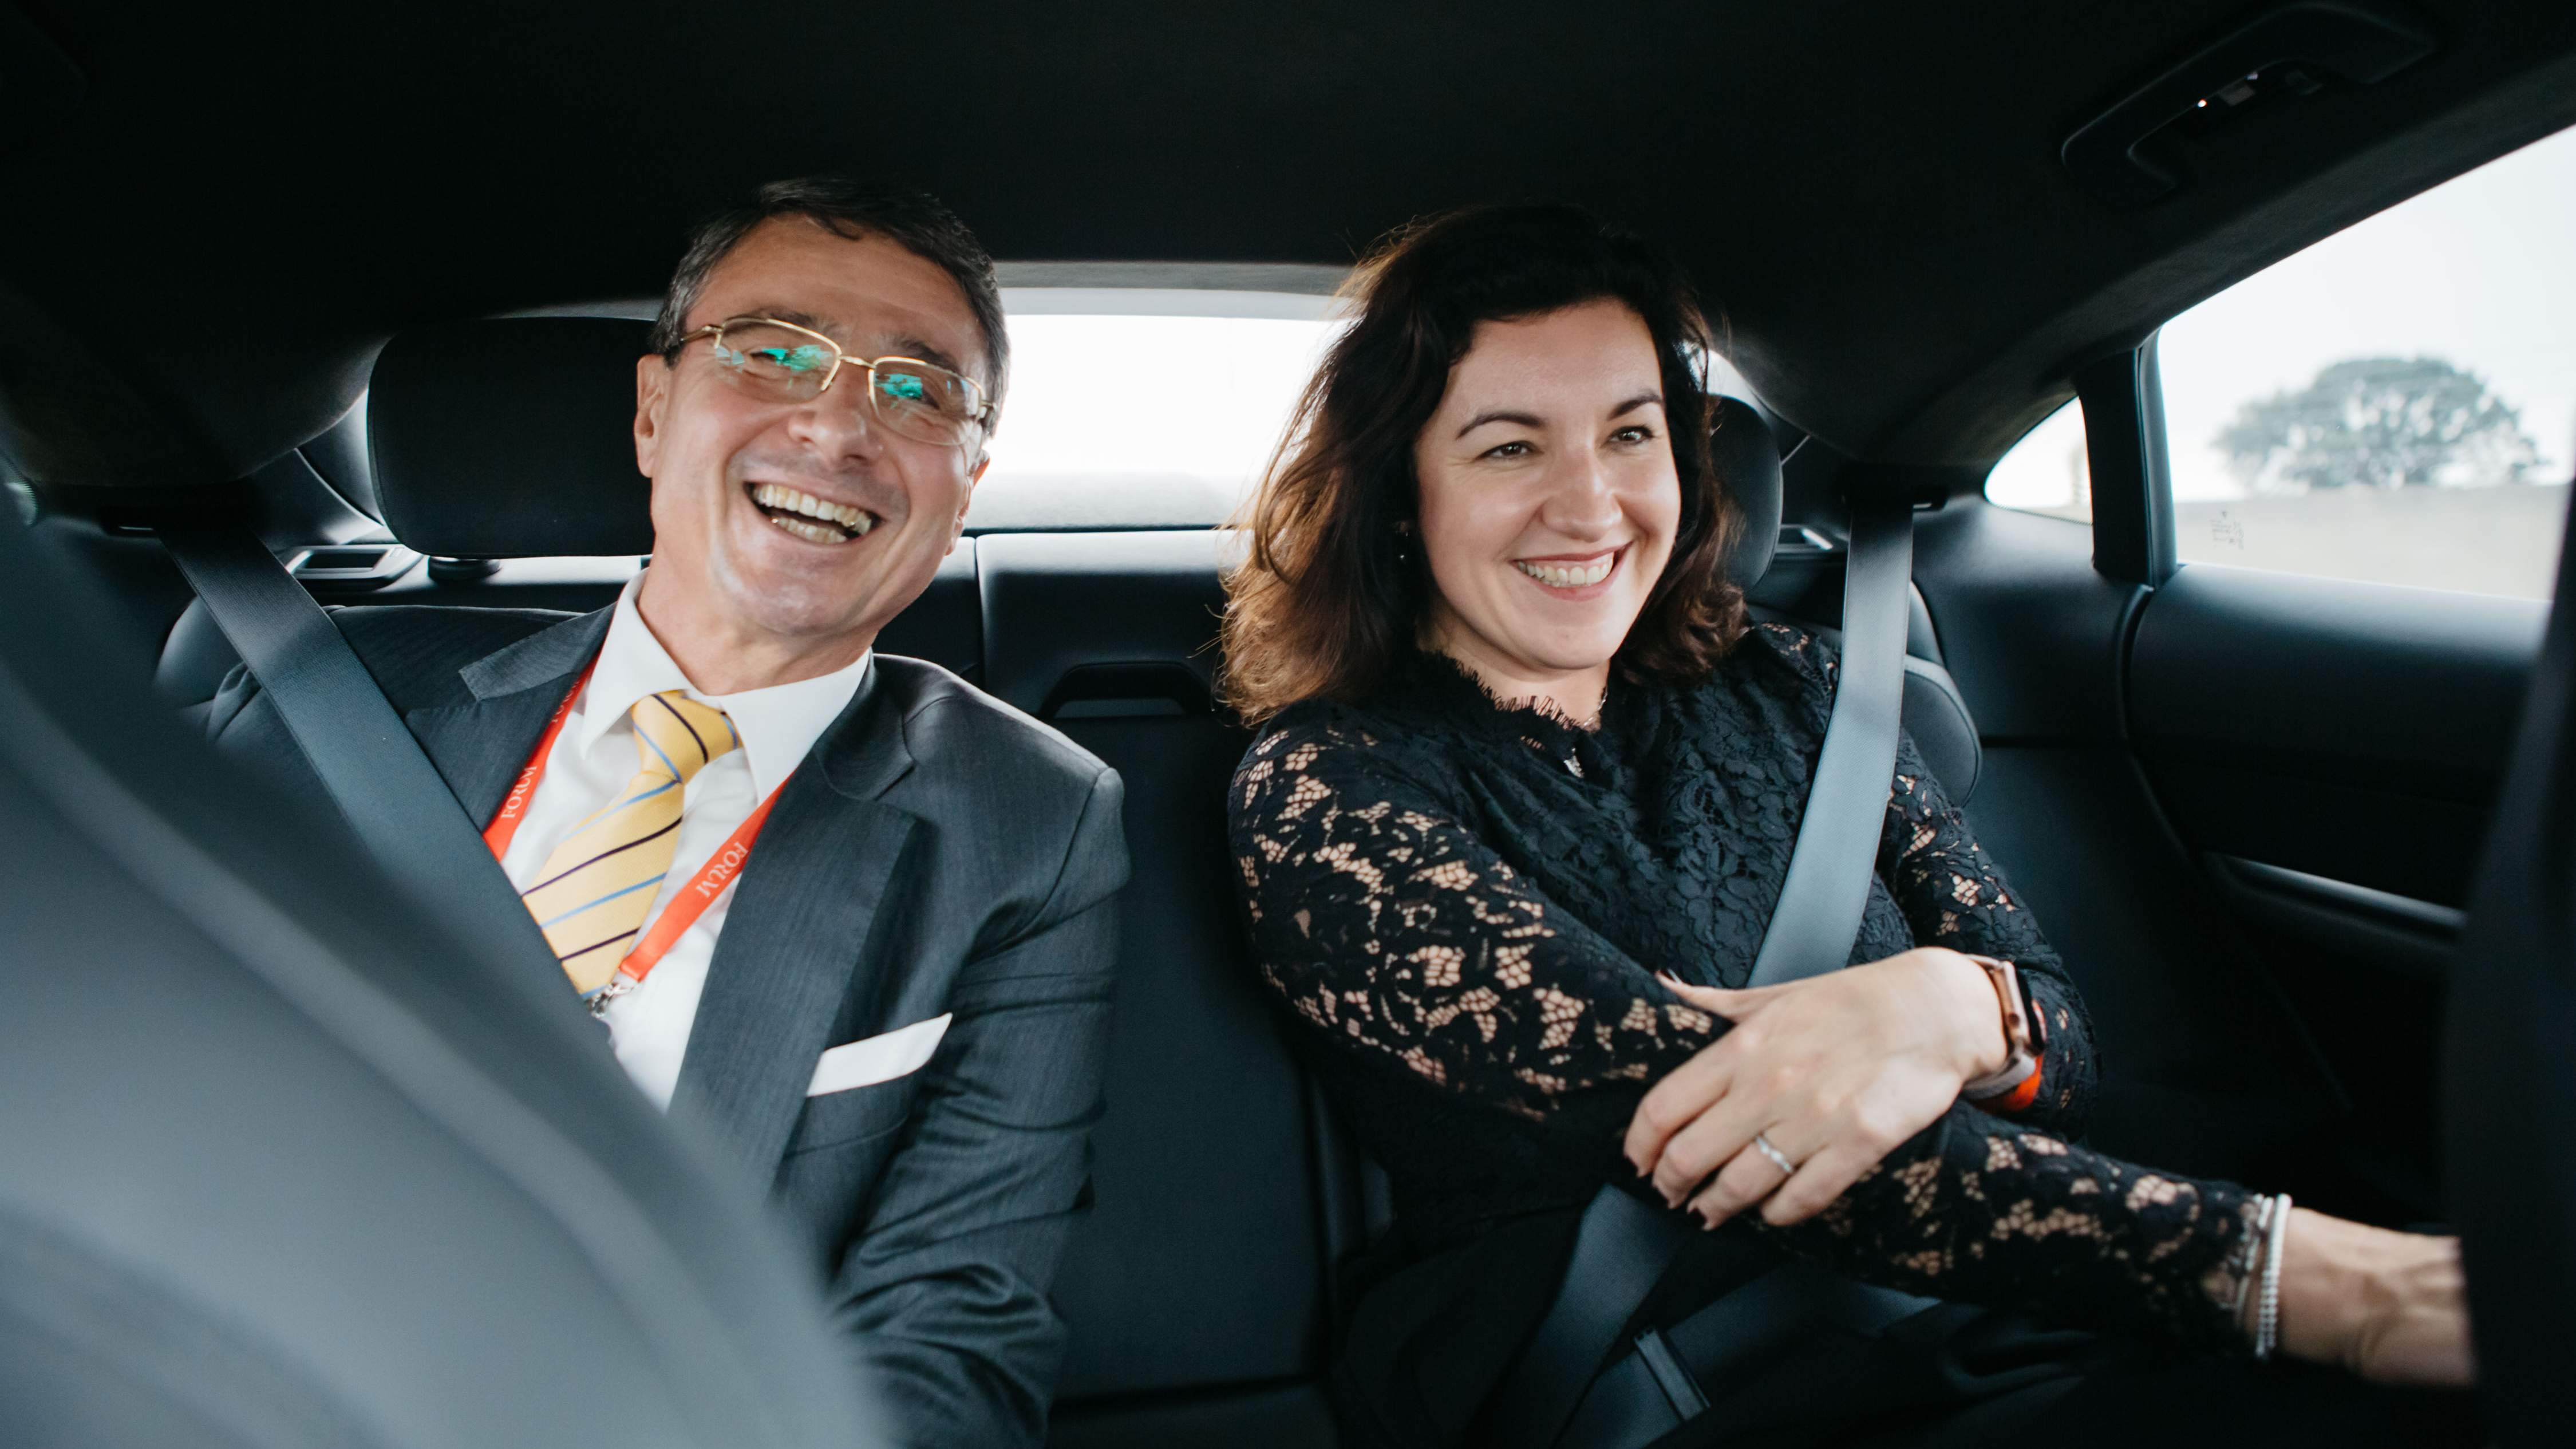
(676,733)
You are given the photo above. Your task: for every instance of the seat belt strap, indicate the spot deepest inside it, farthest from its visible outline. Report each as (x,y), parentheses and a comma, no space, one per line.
(376,773)
(1622,1246)
(1827,886)
(1621,1249)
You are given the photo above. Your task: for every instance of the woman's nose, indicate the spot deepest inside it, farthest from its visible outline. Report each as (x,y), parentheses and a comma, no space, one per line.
(1581,504)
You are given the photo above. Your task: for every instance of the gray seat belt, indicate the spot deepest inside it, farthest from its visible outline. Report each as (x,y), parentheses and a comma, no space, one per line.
(384,785)
(1623,1245)
(1827,887)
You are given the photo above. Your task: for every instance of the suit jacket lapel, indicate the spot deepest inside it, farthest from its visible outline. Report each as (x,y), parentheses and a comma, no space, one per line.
(480,747)
(803,912)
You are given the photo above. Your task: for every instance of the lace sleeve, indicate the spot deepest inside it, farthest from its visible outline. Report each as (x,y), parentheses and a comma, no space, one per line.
(1953,894)
(1394,932)
(1392,928)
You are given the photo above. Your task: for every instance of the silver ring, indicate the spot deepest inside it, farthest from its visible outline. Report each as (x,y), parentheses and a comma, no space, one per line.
(1778,1158)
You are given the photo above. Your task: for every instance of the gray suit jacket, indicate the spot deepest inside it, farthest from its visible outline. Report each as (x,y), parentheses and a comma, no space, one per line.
(936,852)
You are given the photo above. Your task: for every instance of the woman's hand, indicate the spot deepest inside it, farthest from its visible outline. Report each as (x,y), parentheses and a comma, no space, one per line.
(1834,1072)
(2389,1306)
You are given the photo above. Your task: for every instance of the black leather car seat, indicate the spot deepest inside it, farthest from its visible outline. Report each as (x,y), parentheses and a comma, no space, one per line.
(1198,1292)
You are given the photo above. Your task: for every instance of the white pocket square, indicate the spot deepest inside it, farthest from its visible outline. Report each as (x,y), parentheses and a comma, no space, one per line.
(878,1058)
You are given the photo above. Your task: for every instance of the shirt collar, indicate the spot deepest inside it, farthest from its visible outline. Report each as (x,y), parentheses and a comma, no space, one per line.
(778,725)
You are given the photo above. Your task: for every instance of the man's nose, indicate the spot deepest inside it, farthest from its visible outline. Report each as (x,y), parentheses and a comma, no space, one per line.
(838,422)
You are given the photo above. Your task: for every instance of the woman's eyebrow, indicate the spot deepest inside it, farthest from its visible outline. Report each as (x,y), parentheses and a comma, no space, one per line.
(1640,400)
(1499,415)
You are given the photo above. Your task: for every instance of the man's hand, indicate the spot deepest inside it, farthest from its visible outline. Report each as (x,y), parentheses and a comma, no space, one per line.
(1834,1072)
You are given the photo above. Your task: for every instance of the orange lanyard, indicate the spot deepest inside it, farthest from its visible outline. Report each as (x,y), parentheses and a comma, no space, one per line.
(685,908)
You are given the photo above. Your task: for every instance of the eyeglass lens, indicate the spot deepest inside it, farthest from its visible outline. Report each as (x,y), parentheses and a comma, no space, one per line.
(922,402)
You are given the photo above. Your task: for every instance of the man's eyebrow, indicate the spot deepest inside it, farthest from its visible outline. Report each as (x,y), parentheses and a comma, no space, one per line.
(806,320)
(920,351)
(1500,415)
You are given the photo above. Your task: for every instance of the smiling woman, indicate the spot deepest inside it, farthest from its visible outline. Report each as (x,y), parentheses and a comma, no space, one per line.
(1508,844)
(1333,557)
(1549,502)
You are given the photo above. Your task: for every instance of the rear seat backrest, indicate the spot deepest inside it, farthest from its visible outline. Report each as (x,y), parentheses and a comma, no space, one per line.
(1197,1291)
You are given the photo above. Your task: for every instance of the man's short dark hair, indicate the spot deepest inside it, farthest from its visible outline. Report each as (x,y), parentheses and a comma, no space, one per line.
(914,220)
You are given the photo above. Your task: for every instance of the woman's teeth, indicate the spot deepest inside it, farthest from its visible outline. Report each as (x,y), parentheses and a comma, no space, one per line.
(1569,576)
(809,517)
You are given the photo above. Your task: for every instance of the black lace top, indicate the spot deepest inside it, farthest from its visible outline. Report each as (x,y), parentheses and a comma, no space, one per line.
(1466,904)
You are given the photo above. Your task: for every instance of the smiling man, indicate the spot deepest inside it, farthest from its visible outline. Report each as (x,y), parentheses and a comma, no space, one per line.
(839,909)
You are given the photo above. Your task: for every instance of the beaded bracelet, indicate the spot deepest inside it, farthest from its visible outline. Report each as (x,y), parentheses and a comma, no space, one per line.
(2267,1326)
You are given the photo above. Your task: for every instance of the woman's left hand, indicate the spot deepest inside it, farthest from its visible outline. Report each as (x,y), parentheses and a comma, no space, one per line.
(1834,1072)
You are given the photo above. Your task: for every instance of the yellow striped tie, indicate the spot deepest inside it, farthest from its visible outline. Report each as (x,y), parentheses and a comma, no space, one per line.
(592,894)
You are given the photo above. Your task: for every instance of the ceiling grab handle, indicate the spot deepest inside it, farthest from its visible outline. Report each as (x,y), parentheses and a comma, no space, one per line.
(2289,48)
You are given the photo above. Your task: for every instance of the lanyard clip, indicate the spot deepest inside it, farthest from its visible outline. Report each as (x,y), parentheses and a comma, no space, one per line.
(618,985)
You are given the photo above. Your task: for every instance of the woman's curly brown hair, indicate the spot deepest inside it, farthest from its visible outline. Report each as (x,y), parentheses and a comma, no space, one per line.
(1326,600)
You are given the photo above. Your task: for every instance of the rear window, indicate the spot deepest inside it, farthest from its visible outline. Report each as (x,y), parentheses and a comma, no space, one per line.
(1122,414)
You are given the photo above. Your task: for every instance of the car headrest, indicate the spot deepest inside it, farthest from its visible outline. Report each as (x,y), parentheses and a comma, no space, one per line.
(1748,464)
(511,438)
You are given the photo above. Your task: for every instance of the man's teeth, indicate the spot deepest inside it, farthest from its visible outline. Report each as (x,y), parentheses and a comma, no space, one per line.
(811,532)
(834,522)
(1568,576)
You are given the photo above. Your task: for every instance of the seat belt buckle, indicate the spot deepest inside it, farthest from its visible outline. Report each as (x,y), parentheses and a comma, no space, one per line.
(1680,1389)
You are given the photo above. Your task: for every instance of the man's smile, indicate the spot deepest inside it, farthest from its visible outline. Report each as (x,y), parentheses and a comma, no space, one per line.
(812,519)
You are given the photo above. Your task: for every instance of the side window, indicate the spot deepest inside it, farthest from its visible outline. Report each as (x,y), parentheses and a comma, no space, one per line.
(2397,403)
(2045,472)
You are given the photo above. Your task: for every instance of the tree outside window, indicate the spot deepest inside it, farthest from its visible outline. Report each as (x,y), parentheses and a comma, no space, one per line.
(2380,422)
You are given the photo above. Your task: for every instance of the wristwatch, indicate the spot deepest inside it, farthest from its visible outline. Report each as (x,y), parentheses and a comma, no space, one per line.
(2025,1039)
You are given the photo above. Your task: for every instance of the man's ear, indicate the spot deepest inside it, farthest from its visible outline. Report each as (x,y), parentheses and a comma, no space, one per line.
(652,390)
(974,476)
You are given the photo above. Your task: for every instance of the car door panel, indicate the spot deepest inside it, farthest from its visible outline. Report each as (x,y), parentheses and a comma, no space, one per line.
(2329,750)
(2351,731)
(2203,1069)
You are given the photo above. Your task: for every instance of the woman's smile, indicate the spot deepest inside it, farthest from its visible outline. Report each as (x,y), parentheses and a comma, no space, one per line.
(1573,576)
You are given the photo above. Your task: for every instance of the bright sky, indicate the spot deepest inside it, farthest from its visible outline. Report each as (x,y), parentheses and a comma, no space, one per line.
(2480,272)
(1138,394)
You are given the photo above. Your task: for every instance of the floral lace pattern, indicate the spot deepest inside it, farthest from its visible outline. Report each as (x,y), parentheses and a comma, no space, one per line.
(1465,905)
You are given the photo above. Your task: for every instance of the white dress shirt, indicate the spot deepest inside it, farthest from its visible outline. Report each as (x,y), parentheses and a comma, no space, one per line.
(592,760)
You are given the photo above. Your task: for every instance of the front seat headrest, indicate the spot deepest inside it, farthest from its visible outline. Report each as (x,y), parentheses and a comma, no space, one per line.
(511,438)
(1748,464)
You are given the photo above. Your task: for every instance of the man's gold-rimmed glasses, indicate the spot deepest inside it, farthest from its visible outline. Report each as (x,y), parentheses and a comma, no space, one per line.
(918,400)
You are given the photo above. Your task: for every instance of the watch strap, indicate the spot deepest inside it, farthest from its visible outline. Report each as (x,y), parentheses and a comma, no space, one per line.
(2017,1083)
